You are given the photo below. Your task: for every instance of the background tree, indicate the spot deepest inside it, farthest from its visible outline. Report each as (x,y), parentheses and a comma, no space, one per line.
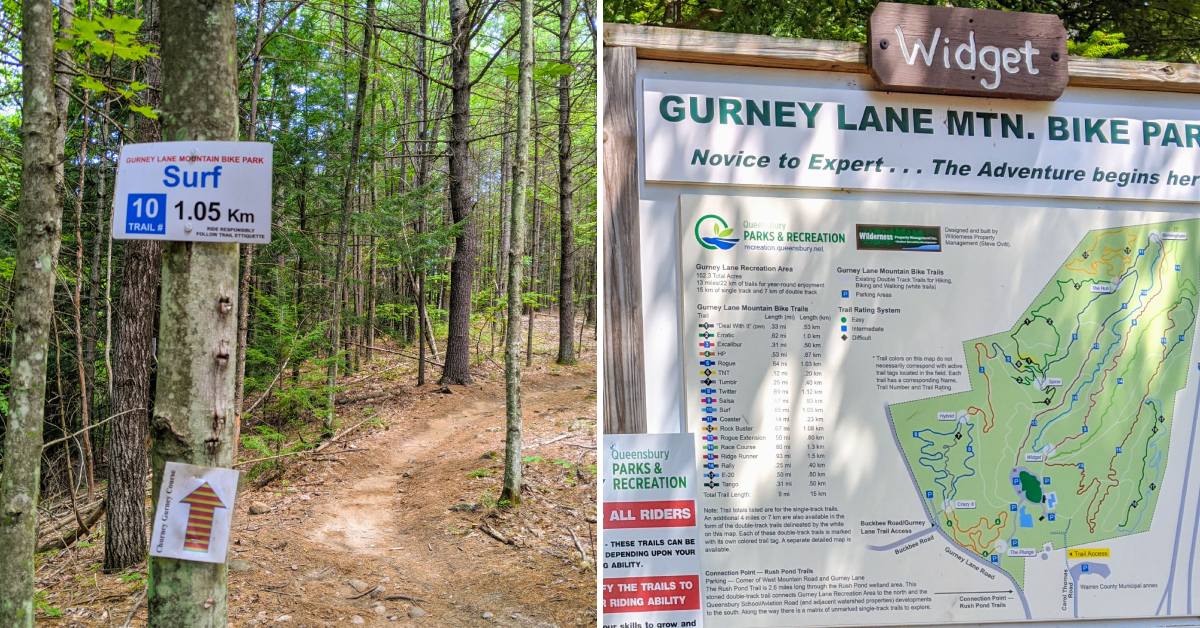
(512,358)
(38,229)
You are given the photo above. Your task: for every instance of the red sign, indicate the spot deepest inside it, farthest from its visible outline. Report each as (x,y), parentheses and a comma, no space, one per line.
(651,593)
(656,514)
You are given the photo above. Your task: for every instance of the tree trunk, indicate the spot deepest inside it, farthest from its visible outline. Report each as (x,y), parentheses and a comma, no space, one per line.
(125,517)
(347,191)
(535,238)
(85,422)
(505,172)
(422,177)
(93,296)
(39,224)
(457,368)
(301,206)
(248,250)
(194,413)
(566,213)
(62,94)
(512,357)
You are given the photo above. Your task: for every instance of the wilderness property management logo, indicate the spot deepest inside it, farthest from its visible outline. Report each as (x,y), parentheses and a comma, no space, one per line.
(712,232)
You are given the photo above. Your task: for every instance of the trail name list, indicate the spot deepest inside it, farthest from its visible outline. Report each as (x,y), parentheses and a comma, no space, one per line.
(784,136)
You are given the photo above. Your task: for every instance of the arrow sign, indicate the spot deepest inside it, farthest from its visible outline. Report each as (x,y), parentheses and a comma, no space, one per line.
(203,502)
(193,513)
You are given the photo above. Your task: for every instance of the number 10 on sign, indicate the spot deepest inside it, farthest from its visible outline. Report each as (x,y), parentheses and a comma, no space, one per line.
(145,213)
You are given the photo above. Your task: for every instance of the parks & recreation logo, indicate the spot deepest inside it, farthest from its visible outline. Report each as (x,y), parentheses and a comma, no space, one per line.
(712,232)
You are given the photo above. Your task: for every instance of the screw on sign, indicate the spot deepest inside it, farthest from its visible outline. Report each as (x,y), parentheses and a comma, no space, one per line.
(203,502)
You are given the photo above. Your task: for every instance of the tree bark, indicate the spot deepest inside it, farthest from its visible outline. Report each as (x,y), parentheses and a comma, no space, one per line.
(422,178)
(248,250)
(62,94)
(566,213)
(457,369)
(512,347)
(347,192)
(194,412)
(39,224)
(125,540)
(535,239)
(89,467)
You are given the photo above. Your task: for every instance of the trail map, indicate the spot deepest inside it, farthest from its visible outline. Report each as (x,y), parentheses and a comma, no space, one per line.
(941,412)
(1064,436)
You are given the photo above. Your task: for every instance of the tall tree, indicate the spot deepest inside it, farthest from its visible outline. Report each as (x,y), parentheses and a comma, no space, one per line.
(39,232)
(457,367)
(194,413)
(423,146)
(248,250)
(360,98)
(511,490)
(133,362)
(566,213)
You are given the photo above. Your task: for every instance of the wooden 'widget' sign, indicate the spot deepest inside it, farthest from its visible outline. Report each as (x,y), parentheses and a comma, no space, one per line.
(967,52)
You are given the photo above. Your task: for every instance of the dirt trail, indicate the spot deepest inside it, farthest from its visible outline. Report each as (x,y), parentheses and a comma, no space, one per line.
(400,509)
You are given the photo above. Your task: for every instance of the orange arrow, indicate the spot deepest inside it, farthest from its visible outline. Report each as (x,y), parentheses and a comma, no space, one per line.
(203,502)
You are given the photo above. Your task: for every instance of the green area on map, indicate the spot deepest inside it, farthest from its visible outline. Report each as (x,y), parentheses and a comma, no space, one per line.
(1062,438)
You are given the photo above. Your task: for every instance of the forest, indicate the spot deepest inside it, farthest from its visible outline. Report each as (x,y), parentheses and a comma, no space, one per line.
(433,234)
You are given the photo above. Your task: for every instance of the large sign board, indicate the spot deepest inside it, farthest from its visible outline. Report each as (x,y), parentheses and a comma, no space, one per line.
(194,192)
(789,136)
(928,412)
(968,52)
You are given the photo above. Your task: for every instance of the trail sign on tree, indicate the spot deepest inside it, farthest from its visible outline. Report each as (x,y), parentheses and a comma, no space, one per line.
(194,192)
(194,513)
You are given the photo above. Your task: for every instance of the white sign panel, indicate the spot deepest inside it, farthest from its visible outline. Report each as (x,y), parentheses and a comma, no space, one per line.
(194,192)
(651,560)
(770,135)
(195,510)
(936,413)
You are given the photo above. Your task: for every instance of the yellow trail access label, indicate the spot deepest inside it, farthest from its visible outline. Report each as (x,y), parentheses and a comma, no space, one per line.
(1089,552)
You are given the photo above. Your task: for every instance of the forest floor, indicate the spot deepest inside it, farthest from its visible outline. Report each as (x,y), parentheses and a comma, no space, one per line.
(397,523)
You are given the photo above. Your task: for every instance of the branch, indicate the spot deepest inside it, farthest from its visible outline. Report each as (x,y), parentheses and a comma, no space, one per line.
(92,426)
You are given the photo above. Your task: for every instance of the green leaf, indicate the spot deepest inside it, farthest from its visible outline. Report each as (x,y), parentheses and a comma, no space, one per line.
(120,23)
(145,111)
(555,70)
(727,232)
(88,82)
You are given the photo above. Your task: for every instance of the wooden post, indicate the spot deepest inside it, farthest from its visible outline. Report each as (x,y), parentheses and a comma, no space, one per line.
(624,379)
(194,413)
